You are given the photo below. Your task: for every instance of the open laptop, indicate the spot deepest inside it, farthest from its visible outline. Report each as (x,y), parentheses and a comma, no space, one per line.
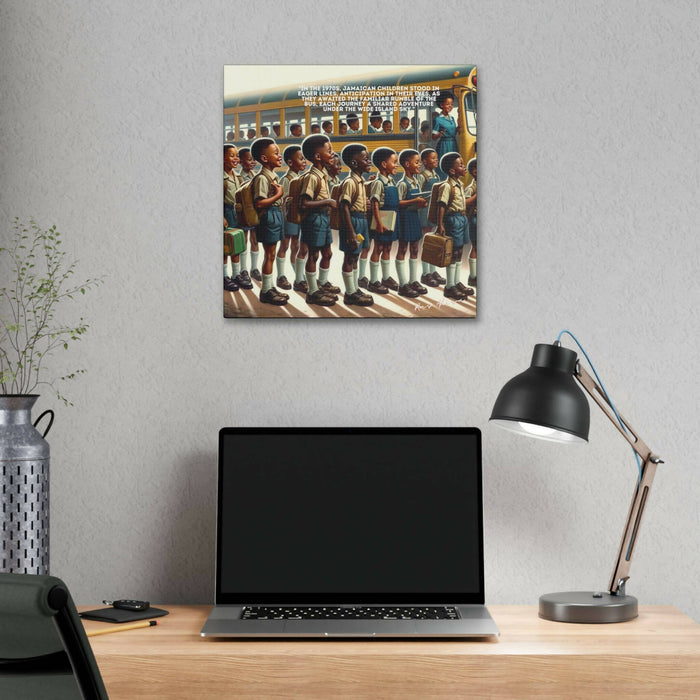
(349,532)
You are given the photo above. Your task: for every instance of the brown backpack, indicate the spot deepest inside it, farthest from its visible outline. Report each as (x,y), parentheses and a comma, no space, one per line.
(245,208)
(434,194)
(292,212)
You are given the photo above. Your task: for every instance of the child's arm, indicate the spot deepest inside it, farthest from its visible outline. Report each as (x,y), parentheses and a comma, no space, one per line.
(351,239)
(375,211)
(442,208)
(274,192)
(470,200)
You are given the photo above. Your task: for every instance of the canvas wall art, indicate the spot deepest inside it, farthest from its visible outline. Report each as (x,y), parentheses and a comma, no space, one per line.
(350,191)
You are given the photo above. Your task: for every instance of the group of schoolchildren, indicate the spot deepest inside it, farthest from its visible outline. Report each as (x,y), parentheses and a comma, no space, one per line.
(364,233)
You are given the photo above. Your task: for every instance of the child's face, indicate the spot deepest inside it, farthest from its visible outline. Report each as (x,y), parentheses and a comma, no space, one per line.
(354,124)
(335,166)
(296,130)
(247,161)
(458,169)
(271,157)
(447,105)
(473,173)
(231,159)
(390,165)
(328,128)
(297,162)
(412,165)
(343,128)
(404,123)
(326,155)
(251,134)
(315,129)
(431,161)
(363,163)
(376,122)
(386,127)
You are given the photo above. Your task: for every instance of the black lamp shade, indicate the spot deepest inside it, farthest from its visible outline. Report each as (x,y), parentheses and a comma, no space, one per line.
(545,400)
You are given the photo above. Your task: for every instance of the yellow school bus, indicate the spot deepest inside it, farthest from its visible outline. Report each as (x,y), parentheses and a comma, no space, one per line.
(273,112)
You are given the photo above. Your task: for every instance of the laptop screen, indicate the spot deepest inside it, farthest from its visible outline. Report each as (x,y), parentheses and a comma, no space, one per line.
(350,515)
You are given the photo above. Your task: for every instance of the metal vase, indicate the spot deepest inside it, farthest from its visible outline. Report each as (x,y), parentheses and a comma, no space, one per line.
(24,478)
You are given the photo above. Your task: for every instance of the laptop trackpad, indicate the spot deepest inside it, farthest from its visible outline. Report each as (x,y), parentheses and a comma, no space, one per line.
(350,628)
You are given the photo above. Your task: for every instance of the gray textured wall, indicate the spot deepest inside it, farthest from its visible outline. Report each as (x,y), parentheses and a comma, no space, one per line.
(111,123)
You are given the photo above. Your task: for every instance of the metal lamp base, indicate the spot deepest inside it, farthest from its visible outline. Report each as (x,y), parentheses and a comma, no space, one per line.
(587,607)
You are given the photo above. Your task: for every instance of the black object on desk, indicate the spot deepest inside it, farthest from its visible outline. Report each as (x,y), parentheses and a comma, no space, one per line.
(119,615)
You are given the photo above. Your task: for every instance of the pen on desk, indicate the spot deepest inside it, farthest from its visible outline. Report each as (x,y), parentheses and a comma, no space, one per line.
(122,628)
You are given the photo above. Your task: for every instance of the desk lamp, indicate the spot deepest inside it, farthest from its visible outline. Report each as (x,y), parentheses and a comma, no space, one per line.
(546,402)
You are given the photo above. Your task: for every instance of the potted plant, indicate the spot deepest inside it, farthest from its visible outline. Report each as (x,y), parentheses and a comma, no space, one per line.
(40,278)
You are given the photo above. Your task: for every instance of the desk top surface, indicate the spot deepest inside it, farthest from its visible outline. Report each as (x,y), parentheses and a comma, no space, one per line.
(659,631)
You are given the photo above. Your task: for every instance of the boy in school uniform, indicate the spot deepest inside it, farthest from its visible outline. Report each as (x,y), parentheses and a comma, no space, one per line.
(333,170)
(315,204)
(248,173)
(267,197)
(296,163)
(353,221)
(410,231)
(471,215)
(383,196)
(427,178)
(230,219)
(232,182)
(452,221)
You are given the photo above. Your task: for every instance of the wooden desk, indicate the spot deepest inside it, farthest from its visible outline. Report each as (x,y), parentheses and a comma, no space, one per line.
(656,655)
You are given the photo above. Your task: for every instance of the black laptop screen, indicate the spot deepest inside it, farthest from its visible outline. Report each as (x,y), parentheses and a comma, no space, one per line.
(350,516)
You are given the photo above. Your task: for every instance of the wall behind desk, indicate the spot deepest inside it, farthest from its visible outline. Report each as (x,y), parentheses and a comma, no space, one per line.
(111,128)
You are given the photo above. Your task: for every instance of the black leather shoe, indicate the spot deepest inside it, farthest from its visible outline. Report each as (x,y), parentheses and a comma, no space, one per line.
(438,277)
(319,298)
(230,285)
(243,282)
(364,282)
(283,282)
(358,298)
(391,283)
(465,290)
(302,287)
(454,293)
(419,287)
(272,296)
(280,294)
(329,288)
(245,277)
(428,279)
(407,290)
(471,281)
(377,288)
(255,274)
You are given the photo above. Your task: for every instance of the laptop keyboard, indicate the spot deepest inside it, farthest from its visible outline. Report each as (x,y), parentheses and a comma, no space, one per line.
(310,612)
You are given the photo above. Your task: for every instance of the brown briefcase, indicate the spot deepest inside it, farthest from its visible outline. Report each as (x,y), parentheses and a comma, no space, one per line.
(437,250)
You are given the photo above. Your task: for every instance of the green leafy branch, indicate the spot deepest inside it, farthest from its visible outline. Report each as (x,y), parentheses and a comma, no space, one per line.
(29,333)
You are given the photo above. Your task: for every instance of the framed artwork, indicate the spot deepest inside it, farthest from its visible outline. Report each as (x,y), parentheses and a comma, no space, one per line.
(350,191)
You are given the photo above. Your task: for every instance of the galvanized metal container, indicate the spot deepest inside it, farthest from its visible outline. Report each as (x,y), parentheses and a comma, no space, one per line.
(24,480)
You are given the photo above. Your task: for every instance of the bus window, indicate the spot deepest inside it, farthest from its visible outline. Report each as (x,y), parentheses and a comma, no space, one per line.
(247,126)
(381,121)
(294,115)
(229,127)
(268,118)
(407,122)
(318,117)
(470,111)
(424,119)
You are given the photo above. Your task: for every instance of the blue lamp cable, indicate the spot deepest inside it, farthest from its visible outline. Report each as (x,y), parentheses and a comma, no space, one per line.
(607,397)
